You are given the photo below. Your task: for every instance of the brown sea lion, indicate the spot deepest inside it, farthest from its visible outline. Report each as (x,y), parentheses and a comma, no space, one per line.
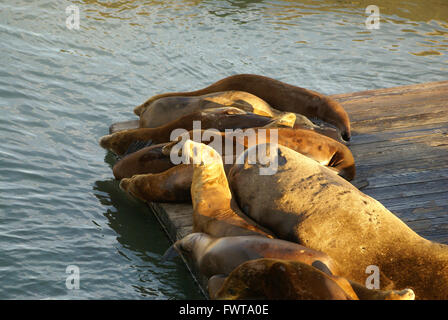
(171,185)
(325,150)
(309,204)
(268,278)
(214,210)
(218,118)
(220,256)
(146,179)
(279,280)
(280,95)
(147,160)
(168,109)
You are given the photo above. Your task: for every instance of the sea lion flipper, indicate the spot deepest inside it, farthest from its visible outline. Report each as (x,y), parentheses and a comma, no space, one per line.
(124,125)
(170,253)
(137,145)
(322,267)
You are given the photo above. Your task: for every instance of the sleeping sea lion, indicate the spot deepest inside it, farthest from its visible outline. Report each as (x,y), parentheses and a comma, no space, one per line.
(279,95)
(165,110)
(309,204)
(218,118)
(220,256)
(214,210)
(268,278)
(278,279)
(143,176)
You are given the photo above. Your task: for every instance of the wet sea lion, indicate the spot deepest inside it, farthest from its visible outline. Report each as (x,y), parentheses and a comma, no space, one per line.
(279,95)
(309,204)
(218,118)
(279,279)
(220,256)
(223,255)
(268,278)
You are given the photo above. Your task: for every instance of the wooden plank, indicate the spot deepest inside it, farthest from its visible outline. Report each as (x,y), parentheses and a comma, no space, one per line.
(405,178)
(407,190)
(399,134)
(400,145)
(177,222)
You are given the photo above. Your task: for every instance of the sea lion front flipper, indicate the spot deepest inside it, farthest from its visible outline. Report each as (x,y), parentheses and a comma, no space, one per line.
(287,119)
(374,294)
(124,125)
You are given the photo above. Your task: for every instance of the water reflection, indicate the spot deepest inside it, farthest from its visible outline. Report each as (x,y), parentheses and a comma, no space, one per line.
(428,20)
(138,234)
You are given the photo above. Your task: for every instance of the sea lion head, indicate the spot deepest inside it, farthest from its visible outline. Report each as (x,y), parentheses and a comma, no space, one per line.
(343,121)
(192,245)
(192,152)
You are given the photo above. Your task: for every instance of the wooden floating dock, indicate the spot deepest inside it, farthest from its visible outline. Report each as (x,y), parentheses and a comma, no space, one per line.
(400,144)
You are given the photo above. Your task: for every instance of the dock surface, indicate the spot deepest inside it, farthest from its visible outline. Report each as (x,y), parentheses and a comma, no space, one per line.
(400,144)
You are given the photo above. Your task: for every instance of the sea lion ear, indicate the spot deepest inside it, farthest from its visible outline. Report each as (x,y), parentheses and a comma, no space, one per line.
(170,253)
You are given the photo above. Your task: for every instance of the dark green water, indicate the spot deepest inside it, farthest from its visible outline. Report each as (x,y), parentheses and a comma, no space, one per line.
(60,89)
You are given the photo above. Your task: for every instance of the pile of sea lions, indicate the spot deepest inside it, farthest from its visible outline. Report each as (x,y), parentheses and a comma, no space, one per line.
(301,232)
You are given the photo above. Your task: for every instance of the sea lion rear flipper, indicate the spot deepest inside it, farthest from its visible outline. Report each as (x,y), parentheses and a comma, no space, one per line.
(170,253)
(215,284)
(360,184)
(322,267)
(124,125)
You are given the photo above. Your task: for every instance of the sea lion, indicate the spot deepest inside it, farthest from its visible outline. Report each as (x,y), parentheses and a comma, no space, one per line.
(218,118)
(172,185)
(214,210)
(309,204)
(321,148)
(325,150)
(168,109)
(146,160)
(143,178)
(279,279)
(280,95)
(268,278)
(220,256)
